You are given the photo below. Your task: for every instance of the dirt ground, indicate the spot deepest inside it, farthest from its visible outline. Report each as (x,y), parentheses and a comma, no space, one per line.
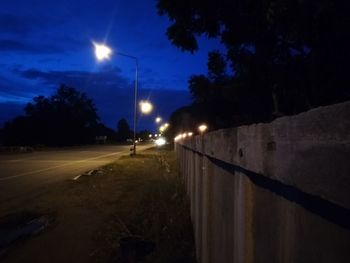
(134,210)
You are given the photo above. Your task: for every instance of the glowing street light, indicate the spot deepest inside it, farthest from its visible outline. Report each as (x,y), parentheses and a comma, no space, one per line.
(163,127)
(202,128)
(158,119)
(160,141)
(145,106)
(103,52)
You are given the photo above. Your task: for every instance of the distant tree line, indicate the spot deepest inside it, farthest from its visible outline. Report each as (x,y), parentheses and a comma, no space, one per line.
(66,118)
(280,57)
(124,132)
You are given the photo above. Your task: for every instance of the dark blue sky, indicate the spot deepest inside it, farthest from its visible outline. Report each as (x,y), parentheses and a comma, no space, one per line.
(44,43)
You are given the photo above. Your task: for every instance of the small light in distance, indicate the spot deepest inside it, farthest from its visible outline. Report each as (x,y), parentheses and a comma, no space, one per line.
(190,134)
(178,137)
(158,119)
(163,127)
(184,135)
(202,128)
(160,141)
(150,136)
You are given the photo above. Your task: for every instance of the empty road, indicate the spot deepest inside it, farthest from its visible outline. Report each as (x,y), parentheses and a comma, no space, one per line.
(28,173)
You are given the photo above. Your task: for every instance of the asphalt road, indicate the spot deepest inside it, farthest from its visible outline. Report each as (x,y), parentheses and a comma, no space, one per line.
(29,173)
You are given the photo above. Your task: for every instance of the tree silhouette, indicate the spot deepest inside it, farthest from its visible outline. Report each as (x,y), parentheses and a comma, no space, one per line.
(284,57)
(66,118)
(123,130)
(216,66)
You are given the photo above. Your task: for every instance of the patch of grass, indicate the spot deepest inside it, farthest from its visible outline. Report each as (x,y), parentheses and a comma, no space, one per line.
(153,205)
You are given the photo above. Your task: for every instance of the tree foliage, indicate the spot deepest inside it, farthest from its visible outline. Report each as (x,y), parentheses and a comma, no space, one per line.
(216,66)
(183,119)
(66,118)
(281,57)
(123,130)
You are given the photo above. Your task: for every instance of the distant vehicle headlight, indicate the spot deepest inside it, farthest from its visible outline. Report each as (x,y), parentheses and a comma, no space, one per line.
(160,141)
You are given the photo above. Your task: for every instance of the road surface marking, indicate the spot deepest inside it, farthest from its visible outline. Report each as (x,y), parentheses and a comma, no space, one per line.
(58,166)
(18,160)
(77,177)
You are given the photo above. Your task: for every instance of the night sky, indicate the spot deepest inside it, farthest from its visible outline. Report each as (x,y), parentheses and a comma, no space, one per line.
(44,43)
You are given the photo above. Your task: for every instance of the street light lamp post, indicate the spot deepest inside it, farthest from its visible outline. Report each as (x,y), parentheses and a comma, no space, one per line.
(202,128)
(145,107)
(103,52)
(158,119)
(135,95)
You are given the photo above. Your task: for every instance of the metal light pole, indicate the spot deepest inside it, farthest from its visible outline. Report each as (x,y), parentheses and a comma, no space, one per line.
(135,95)
(103,52)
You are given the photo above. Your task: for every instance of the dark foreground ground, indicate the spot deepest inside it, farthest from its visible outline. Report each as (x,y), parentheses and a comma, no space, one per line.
(134,210)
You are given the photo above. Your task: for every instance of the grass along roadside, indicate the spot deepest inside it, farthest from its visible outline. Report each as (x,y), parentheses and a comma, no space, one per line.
(125,210)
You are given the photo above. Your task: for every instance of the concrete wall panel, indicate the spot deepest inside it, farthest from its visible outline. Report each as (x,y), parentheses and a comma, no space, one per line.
(276,192)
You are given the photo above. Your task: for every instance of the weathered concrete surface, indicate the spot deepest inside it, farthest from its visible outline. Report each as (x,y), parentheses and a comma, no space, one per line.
(236,220)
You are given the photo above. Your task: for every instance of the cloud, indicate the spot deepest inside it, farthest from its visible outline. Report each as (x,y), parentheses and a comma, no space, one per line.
(25,24)
(18,25)
(107,77)
(7,45)
(13,98)
(9,111)
(12,91)
(113,94)
(38,34)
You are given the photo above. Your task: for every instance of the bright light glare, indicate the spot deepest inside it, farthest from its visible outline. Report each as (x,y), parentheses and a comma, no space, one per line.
(150,136)
(102,51)
(178,137)
(160,141)
(202,128)
(145,106)
(158,119)
(190,134)
(163,127)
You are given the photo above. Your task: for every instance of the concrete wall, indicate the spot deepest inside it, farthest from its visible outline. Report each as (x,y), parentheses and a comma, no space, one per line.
(277,192)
